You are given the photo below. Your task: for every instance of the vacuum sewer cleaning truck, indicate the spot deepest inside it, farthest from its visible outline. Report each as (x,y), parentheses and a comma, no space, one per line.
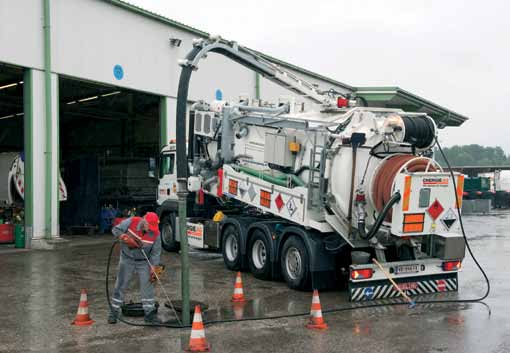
(312,188)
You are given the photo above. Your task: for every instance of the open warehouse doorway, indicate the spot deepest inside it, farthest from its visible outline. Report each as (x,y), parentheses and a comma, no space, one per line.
(11,152)
(109,142)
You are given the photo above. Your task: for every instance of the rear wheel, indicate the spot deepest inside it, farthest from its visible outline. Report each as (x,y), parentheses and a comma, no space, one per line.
(294,264)
(167,229)
(259,256)
(231,248)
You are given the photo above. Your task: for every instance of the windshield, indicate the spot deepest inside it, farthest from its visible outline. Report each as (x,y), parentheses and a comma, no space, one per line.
(166,164)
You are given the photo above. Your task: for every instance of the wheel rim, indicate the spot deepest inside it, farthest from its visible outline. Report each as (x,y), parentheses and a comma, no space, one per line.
(167,233)
(258,254)
(293,263)
(231,247)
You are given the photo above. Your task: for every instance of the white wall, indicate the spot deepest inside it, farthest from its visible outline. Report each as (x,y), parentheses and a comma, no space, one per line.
(90,37)
(21,32)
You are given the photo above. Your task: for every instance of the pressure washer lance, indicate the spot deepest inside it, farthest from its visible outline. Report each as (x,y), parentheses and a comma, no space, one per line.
(412,303)
(133,235)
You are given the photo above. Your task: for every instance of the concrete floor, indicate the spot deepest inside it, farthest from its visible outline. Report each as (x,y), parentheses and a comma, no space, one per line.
(39,293)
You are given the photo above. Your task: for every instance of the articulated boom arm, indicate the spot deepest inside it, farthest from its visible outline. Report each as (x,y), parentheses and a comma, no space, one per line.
(256,62)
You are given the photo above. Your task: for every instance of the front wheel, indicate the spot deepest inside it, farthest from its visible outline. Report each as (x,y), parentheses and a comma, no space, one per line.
(167,229)
(294,264)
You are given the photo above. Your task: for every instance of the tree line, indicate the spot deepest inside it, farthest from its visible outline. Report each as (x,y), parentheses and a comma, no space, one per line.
(473,155)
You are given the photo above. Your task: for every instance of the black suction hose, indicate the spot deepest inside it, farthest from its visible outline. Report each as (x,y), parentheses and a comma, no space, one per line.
(380,219)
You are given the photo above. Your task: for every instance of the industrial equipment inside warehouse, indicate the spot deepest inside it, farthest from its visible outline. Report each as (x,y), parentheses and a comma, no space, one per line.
(11,155)
(109,140)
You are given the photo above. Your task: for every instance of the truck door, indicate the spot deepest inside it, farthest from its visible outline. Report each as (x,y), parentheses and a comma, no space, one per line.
(167,188)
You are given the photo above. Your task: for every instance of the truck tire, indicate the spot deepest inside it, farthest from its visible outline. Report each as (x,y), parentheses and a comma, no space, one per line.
(259,255)
(295,264)
(231,248)
(167,229)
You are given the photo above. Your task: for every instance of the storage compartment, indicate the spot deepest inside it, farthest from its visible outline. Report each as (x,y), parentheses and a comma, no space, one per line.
(277,150)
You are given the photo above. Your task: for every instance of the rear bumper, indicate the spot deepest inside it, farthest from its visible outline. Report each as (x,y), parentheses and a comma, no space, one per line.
(422,284)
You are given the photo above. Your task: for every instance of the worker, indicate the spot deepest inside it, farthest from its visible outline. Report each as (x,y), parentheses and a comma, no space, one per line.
(135,233)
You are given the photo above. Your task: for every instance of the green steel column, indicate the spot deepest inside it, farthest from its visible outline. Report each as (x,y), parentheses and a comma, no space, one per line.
(163,122)
(48,117)
(29,158)
(57,154)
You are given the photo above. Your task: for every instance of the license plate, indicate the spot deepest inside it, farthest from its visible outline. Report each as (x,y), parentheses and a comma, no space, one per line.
(408,285)
(407,269)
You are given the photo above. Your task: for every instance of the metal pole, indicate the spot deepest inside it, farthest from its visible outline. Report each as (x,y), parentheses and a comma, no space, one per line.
(48,118)
(182,194)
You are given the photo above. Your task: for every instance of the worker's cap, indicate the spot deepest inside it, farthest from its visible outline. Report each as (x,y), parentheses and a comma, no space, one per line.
(153,221)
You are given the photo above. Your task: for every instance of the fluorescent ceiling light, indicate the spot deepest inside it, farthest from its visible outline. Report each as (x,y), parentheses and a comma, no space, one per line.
(110,94)
(9,85)
(7,117)
(88,99)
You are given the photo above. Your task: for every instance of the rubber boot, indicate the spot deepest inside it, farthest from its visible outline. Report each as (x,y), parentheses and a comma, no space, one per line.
(152,317)
(113,316)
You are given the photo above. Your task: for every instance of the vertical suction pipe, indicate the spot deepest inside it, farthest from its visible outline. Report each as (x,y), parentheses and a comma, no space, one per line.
(182,180)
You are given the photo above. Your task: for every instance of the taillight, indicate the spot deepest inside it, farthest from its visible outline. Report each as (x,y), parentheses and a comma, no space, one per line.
(342,102)
(452,265)
(478,193)
(360,197)
(362,273)
(465,193)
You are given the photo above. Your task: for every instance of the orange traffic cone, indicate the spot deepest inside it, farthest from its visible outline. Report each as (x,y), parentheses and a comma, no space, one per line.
(316,320)
(238,296)
(197,342)
(82,316)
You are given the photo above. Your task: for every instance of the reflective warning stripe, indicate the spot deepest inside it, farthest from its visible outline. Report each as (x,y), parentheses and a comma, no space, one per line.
(460,190)
(385,291)
(407,193)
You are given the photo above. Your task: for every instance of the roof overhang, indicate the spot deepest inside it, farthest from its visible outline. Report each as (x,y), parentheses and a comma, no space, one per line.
(395,97)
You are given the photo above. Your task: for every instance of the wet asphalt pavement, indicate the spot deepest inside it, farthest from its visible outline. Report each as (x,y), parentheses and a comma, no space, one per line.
(40,290)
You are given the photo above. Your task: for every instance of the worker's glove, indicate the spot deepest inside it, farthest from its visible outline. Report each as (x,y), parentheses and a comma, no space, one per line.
(131,242)
(156,270)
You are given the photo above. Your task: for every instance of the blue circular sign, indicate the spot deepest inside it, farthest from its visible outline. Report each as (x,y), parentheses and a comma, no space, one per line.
(219,94)
(118,72)
(368,292)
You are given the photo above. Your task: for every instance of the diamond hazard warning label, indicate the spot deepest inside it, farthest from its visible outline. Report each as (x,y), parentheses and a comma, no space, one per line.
(449,219)
(291,206)
(279,202)
(435,209)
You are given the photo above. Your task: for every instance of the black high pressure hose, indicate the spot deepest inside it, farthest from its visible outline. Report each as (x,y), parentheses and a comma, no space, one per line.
(380,219)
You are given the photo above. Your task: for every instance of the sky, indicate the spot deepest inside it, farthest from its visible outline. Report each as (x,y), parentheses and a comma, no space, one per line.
(455,53)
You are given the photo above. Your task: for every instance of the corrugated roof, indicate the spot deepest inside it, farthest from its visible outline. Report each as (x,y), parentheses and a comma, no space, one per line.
(397,97)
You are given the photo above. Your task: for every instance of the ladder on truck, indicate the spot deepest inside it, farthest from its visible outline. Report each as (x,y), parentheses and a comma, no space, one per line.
(316,182)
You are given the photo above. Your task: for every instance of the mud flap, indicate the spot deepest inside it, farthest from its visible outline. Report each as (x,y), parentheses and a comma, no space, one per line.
(412,286)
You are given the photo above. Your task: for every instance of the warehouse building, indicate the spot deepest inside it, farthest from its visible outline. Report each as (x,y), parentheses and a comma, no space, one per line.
(88,93)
